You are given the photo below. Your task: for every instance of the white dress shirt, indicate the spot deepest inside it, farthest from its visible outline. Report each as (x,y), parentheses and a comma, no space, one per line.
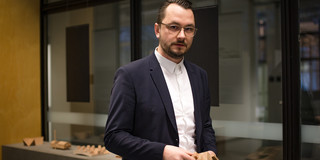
(178,83)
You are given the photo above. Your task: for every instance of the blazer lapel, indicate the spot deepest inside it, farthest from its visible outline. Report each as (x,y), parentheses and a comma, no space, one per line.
(196,101)
(160,83)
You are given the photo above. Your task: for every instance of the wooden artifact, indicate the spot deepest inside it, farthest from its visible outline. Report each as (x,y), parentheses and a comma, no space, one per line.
(33,141)
(38,140)
(90,150)
(204,156)
(59,144)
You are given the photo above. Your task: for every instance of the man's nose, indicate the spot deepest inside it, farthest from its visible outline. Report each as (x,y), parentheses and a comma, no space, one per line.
(181,34)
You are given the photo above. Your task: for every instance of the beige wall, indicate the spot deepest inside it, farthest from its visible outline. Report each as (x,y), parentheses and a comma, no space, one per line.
(20,107)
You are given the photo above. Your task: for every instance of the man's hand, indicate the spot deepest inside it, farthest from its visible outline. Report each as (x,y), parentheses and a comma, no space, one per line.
(209,155)
(213,154)
(176,153)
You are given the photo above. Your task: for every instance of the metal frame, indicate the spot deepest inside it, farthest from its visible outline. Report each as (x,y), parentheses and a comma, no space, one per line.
(291,79)
(67,5)
(135,22)
(44,73)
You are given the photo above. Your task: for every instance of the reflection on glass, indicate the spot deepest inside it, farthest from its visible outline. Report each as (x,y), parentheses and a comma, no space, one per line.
(250,73)
(310,78)
(109,48)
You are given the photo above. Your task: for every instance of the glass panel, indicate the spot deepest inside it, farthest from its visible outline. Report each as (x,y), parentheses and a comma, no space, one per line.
(310,78)
(250,111)
(149,11)
(109,47)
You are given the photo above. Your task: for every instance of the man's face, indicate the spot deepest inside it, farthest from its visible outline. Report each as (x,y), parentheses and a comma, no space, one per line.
(175,45)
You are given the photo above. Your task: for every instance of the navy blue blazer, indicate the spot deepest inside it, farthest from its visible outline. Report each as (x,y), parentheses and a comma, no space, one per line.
(141,118)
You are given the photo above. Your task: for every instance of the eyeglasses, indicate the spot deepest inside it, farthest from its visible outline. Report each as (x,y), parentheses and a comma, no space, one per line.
(176,29)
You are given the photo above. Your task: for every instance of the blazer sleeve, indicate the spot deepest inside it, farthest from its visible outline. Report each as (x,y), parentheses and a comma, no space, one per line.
(119,137)
(208,134)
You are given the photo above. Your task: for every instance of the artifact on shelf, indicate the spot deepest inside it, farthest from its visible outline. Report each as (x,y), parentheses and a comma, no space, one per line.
(33,141)
(204,156)
(59,144)
(90,150)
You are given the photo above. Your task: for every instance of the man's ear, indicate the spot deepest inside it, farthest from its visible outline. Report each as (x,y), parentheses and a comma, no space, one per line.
(157,30)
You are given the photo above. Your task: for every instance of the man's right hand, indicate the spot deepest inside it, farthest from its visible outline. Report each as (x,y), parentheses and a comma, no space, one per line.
(176,153)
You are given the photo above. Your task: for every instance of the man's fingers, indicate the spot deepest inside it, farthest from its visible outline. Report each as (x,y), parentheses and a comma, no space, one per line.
(212,153)
(176,153)
(189,153)
(187,157)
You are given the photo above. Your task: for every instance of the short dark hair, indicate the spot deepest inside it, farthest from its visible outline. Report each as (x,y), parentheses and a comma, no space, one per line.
(183,3)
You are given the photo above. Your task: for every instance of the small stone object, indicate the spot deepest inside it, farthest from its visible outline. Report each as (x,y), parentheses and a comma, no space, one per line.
(33,141)
(90,150)
(60,145)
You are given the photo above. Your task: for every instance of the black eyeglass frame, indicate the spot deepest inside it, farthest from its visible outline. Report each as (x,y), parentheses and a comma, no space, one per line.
(178,30)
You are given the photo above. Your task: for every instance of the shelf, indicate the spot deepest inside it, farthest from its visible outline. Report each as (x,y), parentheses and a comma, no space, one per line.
(20,152)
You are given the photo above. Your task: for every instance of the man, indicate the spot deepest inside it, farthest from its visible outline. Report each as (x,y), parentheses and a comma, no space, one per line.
(160,104)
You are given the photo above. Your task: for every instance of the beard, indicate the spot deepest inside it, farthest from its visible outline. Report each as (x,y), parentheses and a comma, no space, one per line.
(175,54)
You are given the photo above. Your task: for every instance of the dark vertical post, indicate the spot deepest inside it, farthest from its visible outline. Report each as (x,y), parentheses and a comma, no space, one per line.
(135,21)
(319,44)
(291,79)
(44,73)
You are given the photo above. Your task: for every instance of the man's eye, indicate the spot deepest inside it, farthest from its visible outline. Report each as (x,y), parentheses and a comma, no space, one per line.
(189,29)
(174,28)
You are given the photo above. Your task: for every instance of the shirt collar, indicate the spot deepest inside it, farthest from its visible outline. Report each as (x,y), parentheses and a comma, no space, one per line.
(166,63)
